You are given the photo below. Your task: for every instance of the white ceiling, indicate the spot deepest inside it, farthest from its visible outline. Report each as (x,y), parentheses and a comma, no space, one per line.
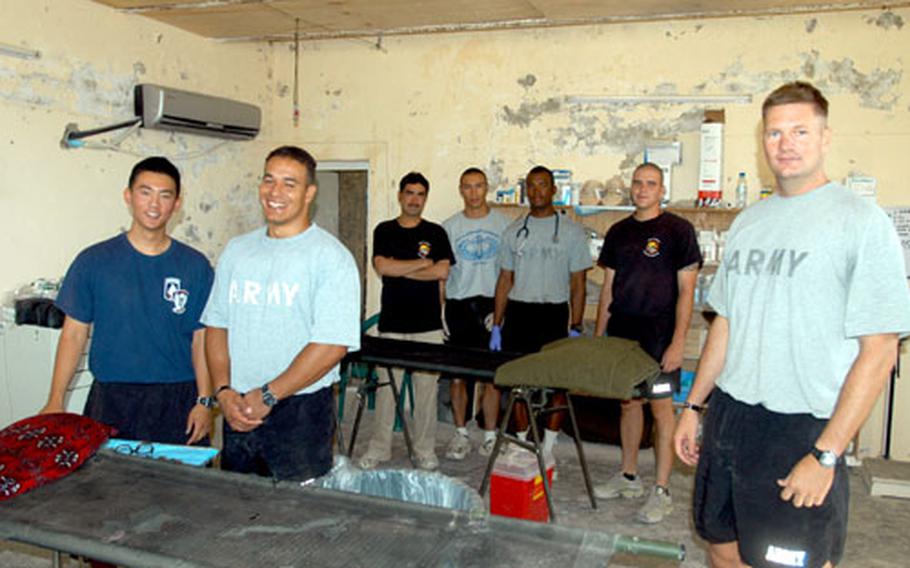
(253,20)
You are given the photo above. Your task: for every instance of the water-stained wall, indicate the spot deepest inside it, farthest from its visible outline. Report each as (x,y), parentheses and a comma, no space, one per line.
(502,100)
(53,201)
(437,103)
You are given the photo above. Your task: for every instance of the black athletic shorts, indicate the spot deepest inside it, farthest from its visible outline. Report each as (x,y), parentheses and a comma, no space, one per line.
(466,321)
(744,451)
(529,326)
(654,335)
(154,412)
(294,442)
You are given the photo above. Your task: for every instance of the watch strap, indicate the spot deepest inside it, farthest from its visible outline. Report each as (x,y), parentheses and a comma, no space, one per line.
(206,401)
(699,408)
(268,397)
(826,458)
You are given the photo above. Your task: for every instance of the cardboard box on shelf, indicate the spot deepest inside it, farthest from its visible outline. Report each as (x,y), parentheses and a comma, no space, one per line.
(711,170)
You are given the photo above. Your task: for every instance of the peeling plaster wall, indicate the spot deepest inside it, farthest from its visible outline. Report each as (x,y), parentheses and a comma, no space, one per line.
(55,202)
(499,99)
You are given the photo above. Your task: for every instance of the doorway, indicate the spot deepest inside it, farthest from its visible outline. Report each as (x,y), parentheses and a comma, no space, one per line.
(341,208)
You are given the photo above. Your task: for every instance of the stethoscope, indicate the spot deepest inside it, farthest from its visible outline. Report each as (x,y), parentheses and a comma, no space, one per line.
(524,233)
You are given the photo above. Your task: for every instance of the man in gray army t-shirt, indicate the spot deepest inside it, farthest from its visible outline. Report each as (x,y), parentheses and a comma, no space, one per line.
(540,293)
(810,299)
(284,310)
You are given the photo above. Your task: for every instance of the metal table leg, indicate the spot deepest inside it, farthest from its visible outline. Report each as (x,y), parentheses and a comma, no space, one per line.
(538,451)
(339,434)
(370,384)
(501,437)
(365,384)
(581,452)
(396,397)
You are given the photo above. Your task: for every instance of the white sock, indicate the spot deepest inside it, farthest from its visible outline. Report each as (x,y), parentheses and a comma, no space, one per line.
(463,430)
(489,435)
(523,436)
(549,440)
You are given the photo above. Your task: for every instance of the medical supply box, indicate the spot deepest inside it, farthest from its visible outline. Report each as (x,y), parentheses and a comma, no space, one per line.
(516,486)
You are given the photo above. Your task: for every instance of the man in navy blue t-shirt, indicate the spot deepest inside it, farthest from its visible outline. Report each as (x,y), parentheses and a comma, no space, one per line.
(141,293)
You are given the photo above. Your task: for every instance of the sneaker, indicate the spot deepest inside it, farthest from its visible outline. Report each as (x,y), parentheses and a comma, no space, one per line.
(427,463)
(619,486)
(658,506)
(459,446)
(487,447)
(369,461)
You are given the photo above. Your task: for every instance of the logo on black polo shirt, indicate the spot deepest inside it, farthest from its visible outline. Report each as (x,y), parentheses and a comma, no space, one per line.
(175,294)
(423,249)
(652,247)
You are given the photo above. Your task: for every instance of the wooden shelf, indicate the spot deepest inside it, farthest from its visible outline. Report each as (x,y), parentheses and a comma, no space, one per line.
(702,218)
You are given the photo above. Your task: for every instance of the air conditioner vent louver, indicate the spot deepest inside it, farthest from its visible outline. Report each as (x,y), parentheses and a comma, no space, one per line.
(163,108)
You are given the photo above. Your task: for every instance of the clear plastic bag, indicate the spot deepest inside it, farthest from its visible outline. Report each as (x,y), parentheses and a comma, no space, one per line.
(408,485)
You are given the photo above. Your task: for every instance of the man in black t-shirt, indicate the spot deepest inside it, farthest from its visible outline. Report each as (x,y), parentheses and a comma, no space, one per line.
(650,263)
(413,257)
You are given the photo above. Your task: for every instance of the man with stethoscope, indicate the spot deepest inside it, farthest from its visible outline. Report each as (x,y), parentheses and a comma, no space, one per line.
(540,293)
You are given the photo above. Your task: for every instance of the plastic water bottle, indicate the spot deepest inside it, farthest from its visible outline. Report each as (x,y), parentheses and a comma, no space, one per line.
(741,190)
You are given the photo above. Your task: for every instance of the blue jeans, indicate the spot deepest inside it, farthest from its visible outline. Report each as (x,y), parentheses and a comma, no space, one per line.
(294,442)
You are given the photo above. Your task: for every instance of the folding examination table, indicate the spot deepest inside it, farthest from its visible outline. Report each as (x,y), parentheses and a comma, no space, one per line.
(144,513)
(385,353)
(465,363)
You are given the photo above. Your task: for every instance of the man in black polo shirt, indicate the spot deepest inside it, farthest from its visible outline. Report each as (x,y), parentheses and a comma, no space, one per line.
(650,261)
(413,257)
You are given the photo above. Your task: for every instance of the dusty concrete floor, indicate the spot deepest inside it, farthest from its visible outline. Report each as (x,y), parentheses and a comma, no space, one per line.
(877,534)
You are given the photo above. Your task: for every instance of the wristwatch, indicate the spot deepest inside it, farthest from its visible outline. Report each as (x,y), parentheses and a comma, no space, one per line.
(692,406)
(206,401)
(268,398)
(826,458)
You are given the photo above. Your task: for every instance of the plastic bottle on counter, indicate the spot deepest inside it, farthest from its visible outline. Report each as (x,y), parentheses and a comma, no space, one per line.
(741,191)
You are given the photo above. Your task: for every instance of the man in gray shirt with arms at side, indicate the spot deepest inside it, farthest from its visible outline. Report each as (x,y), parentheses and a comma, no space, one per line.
(475,234)
(540,292)
(810,298)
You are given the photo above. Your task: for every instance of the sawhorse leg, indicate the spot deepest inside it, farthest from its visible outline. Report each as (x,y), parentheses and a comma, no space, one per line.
(520,395)
(339,434)
(396,397)
(581,452)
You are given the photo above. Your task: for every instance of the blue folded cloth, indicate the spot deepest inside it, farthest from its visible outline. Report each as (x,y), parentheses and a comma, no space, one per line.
(190,455)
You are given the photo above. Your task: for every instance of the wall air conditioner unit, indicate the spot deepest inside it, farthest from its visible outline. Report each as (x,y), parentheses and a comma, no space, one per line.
(163,108)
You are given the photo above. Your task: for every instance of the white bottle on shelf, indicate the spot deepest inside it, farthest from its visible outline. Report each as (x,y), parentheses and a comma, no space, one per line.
(741,191)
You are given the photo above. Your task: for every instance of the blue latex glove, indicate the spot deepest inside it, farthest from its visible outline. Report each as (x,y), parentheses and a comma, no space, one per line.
(496,338)
(574,333)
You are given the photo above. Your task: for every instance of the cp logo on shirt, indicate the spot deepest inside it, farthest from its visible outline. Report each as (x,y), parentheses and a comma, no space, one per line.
(176,295)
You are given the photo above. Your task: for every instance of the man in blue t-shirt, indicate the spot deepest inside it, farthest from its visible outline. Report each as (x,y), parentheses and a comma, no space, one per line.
(141,294)
(284,310)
